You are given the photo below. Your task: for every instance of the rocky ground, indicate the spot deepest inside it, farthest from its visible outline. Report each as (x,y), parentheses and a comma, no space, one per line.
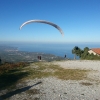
(52,88)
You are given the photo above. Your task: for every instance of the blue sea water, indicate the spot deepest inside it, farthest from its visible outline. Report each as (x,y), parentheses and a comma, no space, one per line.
(58,49)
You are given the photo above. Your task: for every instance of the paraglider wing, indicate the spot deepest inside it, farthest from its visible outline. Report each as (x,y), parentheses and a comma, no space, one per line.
(43,21)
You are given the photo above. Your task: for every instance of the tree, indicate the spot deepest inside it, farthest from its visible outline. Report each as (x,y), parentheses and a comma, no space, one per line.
(76,51)
(86,49)
(85,53)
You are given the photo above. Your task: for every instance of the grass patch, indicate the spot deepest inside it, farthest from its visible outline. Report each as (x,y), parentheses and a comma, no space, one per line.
(37,72)
(49,69)
(11,77)
(33,91)
(72,74)
(10,74)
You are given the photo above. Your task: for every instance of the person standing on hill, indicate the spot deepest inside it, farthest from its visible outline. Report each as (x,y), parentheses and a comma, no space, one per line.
(65,56)
(40,57)
(0,60)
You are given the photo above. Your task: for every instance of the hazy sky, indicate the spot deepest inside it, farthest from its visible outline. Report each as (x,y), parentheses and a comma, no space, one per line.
(79,20)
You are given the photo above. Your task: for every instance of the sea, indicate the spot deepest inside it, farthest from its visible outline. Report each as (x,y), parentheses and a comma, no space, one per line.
(58,49)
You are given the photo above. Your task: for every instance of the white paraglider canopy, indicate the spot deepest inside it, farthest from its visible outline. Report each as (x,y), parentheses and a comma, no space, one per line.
(43,21)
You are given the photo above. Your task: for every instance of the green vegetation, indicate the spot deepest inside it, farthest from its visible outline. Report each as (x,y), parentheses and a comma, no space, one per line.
(11,75)
(83,54)
(72,74)
(49,69)
(77,51)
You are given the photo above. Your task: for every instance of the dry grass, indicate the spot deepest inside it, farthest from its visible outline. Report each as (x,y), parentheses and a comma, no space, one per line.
(48,69)
(33,91)
(71,74)
(40,70)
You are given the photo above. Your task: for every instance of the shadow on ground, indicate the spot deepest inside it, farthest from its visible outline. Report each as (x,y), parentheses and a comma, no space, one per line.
(10,94)
(11,77)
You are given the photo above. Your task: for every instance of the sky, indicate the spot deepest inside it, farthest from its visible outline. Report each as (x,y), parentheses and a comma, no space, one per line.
(79,20)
